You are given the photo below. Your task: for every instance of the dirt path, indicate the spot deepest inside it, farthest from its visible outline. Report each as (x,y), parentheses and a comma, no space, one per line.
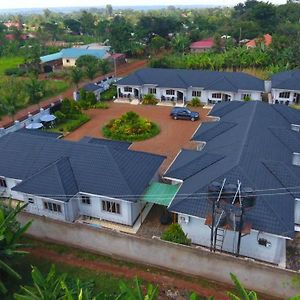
(165,281)
(121,71)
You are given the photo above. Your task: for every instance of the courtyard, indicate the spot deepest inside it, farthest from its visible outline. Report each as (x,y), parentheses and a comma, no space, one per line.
(174,134)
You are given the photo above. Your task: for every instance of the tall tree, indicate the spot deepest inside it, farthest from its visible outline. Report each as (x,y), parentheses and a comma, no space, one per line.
(35,90)
(76,76)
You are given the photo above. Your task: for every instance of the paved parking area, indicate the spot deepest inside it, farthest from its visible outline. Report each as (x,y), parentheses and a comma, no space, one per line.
(174,135)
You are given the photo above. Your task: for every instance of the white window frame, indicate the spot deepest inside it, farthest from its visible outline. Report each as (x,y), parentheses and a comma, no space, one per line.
(170,92)
(216,95)
(3,182)
(196,93)
(53,207)
(85,199)
(111,207)
(152,91)
(284,95)
(127,89)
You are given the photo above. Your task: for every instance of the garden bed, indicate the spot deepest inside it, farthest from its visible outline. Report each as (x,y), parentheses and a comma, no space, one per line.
(130,127)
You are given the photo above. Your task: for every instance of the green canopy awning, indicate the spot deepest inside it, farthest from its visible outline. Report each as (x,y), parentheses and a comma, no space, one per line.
(160,193)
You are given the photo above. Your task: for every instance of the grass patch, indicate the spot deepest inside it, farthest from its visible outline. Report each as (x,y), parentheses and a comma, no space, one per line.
(130,127)
(295,106)
(9,62)
(55,87)
(109,94)
(70,125)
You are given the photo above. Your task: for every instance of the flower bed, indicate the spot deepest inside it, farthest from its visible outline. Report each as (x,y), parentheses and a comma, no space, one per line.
(130,127)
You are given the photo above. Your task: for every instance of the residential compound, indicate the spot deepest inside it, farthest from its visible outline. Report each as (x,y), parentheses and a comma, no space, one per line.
(65,180)
(181,86)
(256,145)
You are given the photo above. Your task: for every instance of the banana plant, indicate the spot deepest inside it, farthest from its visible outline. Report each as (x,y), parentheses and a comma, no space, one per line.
(10,232)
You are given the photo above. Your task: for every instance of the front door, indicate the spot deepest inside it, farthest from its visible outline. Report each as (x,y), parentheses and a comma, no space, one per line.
(136,93)
(226,97)
(179,96)
(297,98)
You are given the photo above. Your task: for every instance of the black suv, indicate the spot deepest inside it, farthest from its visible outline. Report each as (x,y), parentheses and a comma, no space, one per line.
(184,114)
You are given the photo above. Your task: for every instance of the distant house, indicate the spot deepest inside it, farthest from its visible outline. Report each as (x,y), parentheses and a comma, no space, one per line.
(286,87)
(202,45)
(254,143)
(67,57)
(266,41)
(93,178)
(181,86)
(13,24)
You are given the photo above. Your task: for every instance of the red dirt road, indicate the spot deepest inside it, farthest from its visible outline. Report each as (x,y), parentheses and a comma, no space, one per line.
(164,280)
(121,71)
(174,135)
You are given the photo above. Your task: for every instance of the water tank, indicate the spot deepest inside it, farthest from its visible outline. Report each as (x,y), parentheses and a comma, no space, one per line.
(213,191)
(228,193)
(220,217)
(248,198)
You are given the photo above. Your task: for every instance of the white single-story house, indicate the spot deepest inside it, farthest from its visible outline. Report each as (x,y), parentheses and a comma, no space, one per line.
(258,145)
(181,86)
(59,179)
(286,87)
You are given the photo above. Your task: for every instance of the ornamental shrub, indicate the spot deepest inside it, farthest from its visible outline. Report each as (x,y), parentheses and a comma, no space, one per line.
(149,99)
(195,102)
(175,234)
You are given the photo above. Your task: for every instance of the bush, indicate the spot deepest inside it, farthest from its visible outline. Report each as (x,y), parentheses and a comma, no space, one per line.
(87,99)
(130,127)
(247,98)
(70,108)
(71,125)
(195,102)
(101,105)
(175,234)
(60,116)
(149,99)
(109,94)
(14,71)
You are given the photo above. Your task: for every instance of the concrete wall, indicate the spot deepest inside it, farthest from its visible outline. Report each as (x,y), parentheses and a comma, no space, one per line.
(69,62)
(199,233)
(190,260)
(31,119)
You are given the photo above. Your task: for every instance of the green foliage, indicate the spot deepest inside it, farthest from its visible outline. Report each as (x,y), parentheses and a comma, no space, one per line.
(60,116)
(10,233)
(70,108)
(128,293)
(12,62)
(175,234)
(101,105)
(130,127)
(15,72)
(35,90)
(247,98)
(243,294)
(109,94)
(149,99)
(76,76)
(87,99)
(195,102)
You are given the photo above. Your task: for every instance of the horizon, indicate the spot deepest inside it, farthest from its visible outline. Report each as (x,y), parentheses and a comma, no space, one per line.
(56,4)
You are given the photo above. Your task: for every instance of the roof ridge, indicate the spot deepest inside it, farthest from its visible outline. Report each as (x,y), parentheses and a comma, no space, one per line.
(66,158)
(180,77)
(222,77)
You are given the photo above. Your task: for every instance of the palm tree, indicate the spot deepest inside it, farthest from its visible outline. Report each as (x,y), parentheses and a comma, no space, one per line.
(76,75)
(91,71)
(10,232)
(35,90)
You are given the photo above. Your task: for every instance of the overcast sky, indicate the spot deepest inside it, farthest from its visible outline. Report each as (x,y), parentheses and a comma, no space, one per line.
(72,3)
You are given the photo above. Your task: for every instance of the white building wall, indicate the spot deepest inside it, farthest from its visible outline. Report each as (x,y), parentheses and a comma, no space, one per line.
(199,233)
(69,62)
(276,92)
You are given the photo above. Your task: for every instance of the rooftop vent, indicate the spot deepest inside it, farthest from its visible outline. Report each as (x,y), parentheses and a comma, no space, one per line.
(296,159)
(295,127)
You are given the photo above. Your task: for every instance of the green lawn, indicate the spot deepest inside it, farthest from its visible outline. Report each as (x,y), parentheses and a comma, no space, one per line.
(55,87)
(9,62)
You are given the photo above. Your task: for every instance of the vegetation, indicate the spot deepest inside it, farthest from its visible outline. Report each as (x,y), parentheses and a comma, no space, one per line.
(175,234)
(130,127)
(109,94)
(7,63)
(10,232)
(149,99)
(69,117)
(35,90)
(196,102)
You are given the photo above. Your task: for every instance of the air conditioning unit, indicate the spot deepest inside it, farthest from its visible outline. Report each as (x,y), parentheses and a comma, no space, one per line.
(184,219)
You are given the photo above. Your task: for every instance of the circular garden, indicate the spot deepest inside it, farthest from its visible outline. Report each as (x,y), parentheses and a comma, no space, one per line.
(130,127)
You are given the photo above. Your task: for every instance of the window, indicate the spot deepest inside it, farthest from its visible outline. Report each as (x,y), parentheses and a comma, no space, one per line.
(216,95)
(52,206)
(196,93)
(284,95)
(3,182)
(128,89)
(152,90)
(110,206)
(85,199)
(30,200)
(68,60)
(170,92)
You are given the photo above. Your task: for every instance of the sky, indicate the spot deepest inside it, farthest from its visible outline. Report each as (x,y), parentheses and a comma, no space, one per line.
(4,4)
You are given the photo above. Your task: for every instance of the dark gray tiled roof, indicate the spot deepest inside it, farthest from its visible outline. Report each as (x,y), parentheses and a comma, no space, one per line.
(91,87)
(289,80)
(106,142)
(40,132)
(257,151)
(208,80)
(98,169)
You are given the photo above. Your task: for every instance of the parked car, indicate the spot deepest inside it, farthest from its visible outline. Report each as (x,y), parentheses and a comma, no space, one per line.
(184,114)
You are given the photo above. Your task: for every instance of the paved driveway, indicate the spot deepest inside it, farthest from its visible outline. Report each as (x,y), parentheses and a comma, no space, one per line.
(174,135)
